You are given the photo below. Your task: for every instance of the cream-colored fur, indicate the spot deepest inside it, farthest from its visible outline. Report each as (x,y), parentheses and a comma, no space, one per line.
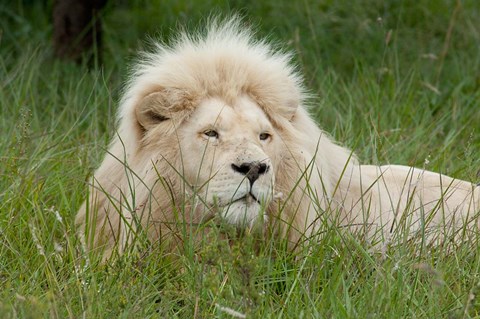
(194,112)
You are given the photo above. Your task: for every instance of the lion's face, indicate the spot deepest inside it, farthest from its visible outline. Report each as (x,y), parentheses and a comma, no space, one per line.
(227,155)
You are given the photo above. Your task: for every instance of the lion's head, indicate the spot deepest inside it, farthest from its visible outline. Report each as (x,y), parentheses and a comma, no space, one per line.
(224,153)
(211,126)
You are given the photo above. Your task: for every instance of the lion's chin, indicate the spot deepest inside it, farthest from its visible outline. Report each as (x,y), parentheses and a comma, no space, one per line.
(244,213)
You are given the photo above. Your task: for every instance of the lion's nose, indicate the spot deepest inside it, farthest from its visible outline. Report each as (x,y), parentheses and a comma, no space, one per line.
(251,170)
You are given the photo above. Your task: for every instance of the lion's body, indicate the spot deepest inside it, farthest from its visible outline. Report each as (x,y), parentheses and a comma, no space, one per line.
(200,116)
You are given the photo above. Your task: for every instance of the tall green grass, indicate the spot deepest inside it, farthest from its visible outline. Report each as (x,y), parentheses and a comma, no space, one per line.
(397,81)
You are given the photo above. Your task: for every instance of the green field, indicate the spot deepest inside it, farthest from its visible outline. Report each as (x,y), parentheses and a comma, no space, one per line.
(397,81)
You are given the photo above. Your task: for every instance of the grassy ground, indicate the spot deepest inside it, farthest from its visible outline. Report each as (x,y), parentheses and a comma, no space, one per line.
(399,82)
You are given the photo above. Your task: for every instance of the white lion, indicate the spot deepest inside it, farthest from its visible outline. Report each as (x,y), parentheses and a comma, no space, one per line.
(215,126)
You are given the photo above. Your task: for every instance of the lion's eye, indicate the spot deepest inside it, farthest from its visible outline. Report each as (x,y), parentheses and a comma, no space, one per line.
(211,133)
(264,136)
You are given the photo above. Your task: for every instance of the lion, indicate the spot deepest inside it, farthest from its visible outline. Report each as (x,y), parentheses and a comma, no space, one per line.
(216,126)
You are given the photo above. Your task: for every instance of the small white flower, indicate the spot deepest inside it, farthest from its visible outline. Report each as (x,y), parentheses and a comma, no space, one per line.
(56,213)
(427,160)
(58,248)
(33,231)
(230,311)
(396,266)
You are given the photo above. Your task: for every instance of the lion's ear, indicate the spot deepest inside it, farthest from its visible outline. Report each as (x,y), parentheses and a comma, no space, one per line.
(151,110)
(163,105)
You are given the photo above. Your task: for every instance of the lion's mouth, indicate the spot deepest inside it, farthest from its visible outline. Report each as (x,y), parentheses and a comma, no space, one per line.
(248,198)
